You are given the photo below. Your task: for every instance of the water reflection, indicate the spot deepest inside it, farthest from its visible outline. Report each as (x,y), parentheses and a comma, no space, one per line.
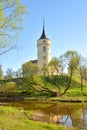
(65,120)
(59,113)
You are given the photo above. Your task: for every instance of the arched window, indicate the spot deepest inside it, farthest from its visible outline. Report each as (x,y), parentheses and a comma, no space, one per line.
(44,49)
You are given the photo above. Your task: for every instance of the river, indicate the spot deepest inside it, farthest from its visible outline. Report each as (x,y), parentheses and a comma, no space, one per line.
(67,114)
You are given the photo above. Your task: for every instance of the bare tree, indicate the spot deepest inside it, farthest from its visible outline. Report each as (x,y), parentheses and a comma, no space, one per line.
(9,74)
(18,73)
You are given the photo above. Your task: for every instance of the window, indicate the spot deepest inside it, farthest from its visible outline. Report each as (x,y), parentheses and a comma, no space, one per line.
(44,57)
(44,41)
(44,49)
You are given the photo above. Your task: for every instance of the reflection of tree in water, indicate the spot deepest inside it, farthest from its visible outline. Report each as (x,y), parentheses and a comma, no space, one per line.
(79,118)
(68,114)
(76,118)
(65,120)
(58,114)
(84,116)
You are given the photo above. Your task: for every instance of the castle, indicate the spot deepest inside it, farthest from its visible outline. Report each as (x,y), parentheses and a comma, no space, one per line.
(43,50)
(43,55)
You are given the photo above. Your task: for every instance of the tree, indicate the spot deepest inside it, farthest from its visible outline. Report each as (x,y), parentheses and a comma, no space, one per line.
(62,63)
(29,69)
(54,66)
(45,70)
(18,73)
(55,69)
(82,69)
(9,74)
(32,80)
(1,72)
(71,59)
(11,17)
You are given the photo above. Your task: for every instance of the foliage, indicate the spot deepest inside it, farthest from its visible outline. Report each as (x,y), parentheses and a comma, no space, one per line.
(11,17)
(29,80)
(46,85)
(1,72)
(32,80)
(29,69)
(56,79)
(35,84)
(7,89)
(45,70)
(71,59)
(54,66)
(82,70)
(76,93)
(42,86)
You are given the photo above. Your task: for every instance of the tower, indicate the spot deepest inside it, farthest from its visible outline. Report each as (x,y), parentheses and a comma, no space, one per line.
(43,49)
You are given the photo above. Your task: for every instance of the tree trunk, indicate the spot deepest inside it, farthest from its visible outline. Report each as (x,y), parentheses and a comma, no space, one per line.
(58,92)
(69,83)
(81,82)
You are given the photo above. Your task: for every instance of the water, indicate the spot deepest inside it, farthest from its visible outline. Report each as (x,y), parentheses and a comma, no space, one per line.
(68,114)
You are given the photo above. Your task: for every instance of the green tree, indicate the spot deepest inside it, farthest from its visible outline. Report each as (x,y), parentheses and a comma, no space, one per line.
(45,70)
(1,72)
(82,69)
(54,66)
(29,69)
(71,59)
(11,17)
(55,69)
(62,63)
(32,80)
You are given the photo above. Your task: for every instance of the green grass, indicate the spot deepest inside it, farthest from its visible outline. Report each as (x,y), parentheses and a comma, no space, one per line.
(49,82)
(14,119)
(74,93)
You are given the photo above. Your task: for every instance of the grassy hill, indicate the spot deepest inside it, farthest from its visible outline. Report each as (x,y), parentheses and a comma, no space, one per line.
(16,88)
(75,89)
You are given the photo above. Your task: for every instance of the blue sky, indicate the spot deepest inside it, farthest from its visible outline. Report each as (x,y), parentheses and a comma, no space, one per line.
(65,26)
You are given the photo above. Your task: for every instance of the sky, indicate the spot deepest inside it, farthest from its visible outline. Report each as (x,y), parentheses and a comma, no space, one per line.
(65,26)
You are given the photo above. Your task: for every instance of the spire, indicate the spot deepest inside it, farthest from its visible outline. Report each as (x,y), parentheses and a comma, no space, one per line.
(43,23)
(43,36)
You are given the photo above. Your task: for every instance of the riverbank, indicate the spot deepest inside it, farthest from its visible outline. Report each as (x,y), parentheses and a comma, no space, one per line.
(16,119)
(81,99)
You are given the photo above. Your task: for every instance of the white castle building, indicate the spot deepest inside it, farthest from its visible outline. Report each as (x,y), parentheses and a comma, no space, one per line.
(43,54)
(43,50)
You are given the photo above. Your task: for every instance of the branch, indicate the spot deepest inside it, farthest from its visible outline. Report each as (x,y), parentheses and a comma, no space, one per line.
(8,6)
(8,50)
(5,34)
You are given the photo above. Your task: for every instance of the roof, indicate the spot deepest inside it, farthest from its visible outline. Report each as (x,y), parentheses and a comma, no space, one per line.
(33,61)
(43,36)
